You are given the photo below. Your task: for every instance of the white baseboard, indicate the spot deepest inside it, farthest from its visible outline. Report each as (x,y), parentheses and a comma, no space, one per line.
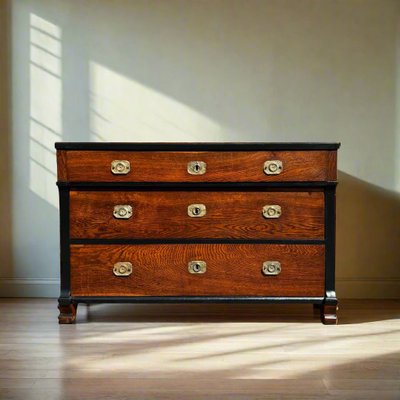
(346,288)
(28,287)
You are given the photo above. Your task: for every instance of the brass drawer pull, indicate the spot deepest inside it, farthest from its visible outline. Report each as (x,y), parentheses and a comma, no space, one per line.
(122,211)
(122,268)
(272,211)
(120,167)
(197,267)
(197,210)
(271,268)
(273,167)
(196,167)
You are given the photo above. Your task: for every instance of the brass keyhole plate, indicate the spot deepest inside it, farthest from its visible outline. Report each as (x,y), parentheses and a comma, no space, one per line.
(196,210)
(272,211)
(196,167)
(197,267)
(122,211)
(122,268)
(271,268)
(120,167)
(273,167)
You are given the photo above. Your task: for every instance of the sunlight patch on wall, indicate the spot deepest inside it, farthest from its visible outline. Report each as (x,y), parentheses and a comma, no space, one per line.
(122,109)
(45,107)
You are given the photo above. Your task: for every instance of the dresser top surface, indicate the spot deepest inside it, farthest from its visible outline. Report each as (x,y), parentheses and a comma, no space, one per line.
(196,146)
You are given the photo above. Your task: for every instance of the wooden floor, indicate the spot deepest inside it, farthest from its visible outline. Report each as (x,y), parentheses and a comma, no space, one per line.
(199,352)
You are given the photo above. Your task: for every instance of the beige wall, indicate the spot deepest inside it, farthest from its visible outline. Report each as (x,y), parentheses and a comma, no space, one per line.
(5,139)
(299,70)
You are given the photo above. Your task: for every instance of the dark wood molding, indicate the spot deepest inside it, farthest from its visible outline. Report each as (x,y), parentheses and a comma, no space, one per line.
(197,299)
(196,146)
(221,186)
(195,241)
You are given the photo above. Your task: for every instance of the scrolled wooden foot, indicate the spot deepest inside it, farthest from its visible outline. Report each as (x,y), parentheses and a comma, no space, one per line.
(329,314)
(67,313)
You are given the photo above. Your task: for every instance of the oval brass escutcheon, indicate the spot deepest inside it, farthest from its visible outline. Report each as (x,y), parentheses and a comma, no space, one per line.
(122,268)
(196,167)
(271,268)
(197,210)
(272,211)
(197,267)
(120,167)
(122,211)
(273,167)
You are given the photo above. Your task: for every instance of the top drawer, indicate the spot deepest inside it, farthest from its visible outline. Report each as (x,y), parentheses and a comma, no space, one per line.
(195,166)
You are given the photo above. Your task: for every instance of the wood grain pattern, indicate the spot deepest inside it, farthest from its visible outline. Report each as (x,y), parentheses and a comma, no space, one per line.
(332,166)
(232,269)
(169,166)
(62,167)
(229,215)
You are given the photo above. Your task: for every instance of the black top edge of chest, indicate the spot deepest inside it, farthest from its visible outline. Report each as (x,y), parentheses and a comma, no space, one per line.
(195,146)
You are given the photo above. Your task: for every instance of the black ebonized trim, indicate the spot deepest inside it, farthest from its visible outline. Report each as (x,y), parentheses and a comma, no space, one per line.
(195,241)
(249,146)
(220,186)
(195,299)
(330,222)
(64,243)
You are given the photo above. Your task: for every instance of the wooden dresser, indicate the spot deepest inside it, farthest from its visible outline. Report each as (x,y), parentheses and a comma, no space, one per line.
(197,222)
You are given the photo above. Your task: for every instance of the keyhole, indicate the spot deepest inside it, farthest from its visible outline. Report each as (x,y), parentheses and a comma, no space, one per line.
(196,267)
(197,167)
(196,211)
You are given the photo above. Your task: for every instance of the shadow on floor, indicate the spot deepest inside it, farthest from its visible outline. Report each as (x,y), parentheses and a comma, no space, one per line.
(195,313)
(350,312)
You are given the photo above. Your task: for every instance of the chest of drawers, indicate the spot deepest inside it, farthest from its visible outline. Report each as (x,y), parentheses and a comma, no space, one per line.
(197,222)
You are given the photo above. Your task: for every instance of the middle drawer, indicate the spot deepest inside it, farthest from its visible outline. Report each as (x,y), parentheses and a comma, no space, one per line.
(196,214)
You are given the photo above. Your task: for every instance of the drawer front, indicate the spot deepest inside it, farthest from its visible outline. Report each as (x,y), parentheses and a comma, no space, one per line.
(158,214)
(168,166)
(231,269)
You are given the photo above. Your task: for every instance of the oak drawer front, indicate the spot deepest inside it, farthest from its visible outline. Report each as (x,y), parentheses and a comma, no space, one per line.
(231,269)
(169,166)
(157,214)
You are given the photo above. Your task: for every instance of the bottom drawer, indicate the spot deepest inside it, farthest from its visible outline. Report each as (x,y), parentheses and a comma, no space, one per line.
(231,270)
